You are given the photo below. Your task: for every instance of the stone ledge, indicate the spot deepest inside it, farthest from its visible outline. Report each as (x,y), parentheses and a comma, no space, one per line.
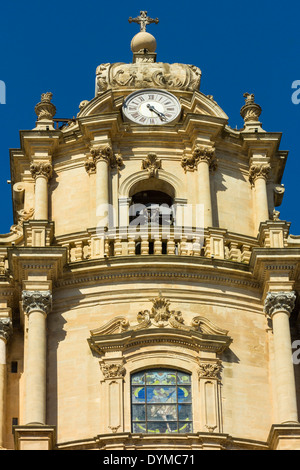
(34,437)
(284,437)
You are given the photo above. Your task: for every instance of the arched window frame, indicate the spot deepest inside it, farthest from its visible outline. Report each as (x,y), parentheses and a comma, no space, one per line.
(125,349)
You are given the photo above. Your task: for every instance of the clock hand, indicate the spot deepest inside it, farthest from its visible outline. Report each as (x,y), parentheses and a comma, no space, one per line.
(161,115)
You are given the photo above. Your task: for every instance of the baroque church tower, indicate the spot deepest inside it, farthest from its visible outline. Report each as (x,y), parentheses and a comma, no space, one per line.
(148,286)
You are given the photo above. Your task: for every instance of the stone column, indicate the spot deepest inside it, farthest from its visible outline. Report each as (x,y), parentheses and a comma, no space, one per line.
(41,172)
(258,175)
(204,156)
(102,157)
(5,332)
(36,305)
(278,306)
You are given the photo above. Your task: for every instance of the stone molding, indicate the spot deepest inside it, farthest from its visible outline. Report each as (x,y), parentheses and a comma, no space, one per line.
(41,169)
(199,154)
(279,301)
(259,171)
(5,328)
(37,300)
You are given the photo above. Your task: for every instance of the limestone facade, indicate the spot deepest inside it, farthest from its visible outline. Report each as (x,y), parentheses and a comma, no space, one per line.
(89,300)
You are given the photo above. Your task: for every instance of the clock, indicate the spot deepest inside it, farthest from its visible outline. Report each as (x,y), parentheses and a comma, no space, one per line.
(151,107)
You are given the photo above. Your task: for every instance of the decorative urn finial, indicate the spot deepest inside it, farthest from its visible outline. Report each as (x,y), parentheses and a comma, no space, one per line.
(251,111)
(45,111)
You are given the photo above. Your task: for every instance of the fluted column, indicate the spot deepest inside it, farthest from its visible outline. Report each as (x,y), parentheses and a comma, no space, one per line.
(41,172)
(258,175)
(36,305)
(5,332)
(278,306)
(204,157)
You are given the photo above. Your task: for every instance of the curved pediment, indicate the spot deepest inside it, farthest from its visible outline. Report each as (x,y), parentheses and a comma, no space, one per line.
(162,325)
(106,102)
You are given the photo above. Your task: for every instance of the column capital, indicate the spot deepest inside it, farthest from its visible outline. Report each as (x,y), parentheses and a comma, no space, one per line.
(259,170)
(37,300)
(41,169)
(5,328)
(102,152)
(279,301)
(199,154)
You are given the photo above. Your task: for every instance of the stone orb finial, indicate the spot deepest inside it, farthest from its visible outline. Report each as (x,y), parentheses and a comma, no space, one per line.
(143,40)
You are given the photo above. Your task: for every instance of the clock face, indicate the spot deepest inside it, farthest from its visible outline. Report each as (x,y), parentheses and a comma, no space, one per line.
(151,107)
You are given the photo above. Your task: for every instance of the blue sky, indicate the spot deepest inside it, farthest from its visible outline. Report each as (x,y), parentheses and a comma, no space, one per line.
(239,46)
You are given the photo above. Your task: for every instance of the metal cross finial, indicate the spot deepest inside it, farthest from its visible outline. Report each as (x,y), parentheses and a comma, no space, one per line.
(143,20)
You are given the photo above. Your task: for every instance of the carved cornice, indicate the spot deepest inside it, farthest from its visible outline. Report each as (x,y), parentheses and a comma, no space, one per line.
(5,328)
(279,301)
(37,300)
(199,154)
(151,164)
(41,169)
(259,171)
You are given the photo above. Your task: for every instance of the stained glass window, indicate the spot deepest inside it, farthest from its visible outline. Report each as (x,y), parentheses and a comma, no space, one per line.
(161,401)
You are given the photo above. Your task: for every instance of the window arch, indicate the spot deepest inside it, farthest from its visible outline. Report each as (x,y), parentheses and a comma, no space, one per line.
(161,401)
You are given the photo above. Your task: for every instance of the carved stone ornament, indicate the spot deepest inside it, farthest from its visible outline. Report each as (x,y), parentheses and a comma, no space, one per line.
(159,325)
(5,328)
(160,316)
(279,301)
(41,169)
(37,300)
(45,109)
(251,111)
(23,217)
(151,164)
(105,153)
(259,171)
(210,370)
(147,75)
(113,371)
(199,154)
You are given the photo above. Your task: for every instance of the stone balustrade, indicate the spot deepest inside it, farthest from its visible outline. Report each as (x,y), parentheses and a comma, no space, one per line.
(124,241)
